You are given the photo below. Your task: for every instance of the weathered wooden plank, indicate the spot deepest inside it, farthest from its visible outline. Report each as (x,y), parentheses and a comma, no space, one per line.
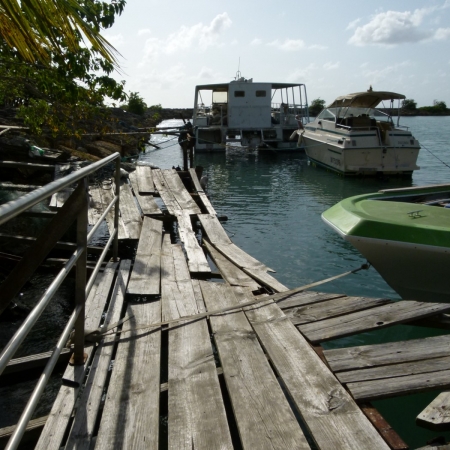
(332,308)
(263,415)
(232,274)
(59,417)
(146,275)
(213,228)
(144,180)
(436,416)
(196,257)
(305,298)
(202,195)
(395,370)
(332,416)
(391,387)
(147,203)
(34,361)
(182,196)
(129,212)
(382,354)
(131,414)
(83,427)
(165,193)
(380,317)
(195,399)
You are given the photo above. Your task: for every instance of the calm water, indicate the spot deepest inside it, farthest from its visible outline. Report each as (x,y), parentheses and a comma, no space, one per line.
(274,204)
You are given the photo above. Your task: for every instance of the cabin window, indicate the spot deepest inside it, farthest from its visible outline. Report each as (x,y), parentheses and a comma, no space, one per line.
(239,93)
(261,93)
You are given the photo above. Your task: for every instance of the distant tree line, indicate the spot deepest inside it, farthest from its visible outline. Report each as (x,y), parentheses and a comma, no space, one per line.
(439,107)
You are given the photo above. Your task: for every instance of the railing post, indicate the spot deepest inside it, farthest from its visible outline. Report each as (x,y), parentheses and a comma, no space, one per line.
(79,357)
(116,212)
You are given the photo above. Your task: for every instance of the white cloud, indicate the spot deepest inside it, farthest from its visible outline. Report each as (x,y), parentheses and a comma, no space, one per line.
(352,25)
(143,32)
(115,40)
(377,75)
(289,45)
(331,66)
(256,41)
(206,72)
(303,75)
(197,36)
(442,34)
(391,28)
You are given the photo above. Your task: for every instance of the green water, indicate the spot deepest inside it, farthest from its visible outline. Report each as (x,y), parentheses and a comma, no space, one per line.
(274,204)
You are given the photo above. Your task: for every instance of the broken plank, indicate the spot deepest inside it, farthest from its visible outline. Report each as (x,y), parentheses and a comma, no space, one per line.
(183,198)
(382,354)
(165,193)
(331,308)
(436,416)
(196,257)
(304,298)
(146,275)
(362,321)
(144,180)
(231,273)
(202,195)
(391,387)
(395,370)
(263,416)
(195,399)
(147,203)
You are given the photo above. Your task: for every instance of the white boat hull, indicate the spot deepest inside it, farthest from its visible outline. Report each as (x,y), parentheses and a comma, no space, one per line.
(360,161)
(416,272)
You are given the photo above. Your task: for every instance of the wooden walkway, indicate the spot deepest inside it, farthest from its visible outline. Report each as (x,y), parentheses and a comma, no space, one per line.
(231,363)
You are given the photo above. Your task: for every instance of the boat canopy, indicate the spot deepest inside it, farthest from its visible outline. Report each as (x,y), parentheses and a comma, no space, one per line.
(368,99)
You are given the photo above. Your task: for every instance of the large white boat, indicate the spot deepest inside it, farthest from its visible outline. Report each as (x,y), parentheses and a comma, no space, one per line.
(352,137)
(255,115)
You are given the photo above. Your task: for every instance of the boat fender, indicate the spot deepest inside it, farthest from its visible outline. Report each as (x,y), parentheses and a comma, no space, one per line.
(293,135)
(300,139)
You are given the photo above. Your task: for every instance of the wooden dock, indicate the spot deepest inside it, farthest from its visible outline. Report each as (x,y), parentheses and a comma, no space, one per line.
(235,362)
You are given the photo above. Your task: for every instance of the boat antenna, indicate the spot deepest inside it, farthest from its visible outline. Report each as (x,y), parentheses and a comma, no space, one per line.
(238,73)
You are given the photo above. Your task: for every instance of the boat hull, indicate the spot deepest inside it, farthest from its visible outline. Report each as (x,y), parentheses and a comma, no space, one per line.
(404,234)
(362,161)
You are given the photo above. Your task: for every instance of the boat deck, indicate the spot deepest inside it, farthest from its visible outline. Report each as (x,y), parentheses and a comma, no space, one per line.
(191,359)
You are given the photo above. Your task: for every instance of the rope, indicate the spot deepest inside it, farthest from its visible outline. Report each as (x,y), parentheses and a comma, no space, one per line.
(275,297)
(443,162)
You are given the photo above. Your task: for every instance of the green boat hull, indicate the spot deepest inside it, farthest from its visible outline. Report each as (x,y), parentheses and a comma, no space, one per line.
(404,234)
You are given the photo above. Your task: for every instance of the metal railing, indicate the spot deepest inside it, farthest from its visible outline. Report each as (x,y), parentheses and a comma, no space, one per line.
(74,209)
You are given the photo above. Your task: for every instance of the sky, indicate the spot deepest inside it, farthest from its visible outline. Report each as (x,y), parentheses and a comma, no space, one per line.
(333,47)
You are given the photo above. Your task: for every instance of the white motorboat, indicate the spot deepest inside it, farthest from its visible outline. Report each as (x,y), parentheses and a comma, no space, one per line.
(352,137)
(255,115)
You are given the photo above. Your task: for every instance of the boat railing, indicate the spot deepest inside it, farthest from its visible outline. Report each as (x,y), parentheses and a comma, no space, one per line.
(75,209)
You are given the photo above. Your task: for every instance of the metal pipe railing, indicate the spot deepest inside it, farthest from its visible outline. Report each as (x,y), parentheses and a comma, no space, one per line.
(78,259)
(15,207)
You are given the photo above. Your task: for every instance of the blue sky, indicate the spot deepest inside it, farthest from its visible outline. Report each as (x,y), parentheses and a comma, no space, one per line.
(335,48)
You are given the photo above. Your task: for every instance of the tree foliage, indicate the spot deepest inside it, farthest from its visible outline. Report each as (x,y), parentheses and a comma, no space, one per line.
(34,28)
(316,106)
(136,104)
(66,95)
(409,104)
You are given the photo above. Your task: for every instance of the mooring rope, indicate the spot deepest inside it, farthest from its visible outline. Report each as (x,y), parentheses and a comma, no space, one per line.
(100,333)
(439,159)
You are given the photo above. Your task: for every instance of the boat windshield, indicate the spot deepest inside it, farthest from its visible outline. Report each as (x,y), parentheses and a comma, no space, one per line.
(331,114)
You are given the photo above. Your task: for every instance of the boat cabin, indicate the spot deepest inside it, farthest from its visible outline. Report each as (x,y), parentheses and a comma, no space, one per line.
(357,112)
(262,115)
